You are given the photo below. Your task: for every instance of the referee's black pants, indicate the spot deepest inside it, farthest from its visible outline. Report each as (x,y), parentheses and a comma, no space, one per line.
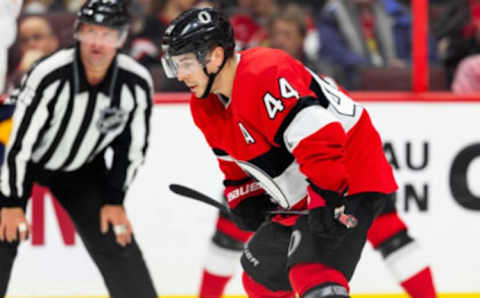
(80,193)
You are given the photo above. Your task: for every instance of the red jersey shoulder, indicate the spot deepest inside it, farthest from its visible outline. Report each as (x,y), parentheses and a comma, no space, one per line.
(197,109)
(263,64)
(268,84)
(207,116)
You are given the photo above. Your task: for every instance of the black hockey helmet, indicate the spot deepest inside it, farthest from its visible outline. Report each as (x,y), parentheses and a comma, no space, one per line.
(197,31)
(108,13)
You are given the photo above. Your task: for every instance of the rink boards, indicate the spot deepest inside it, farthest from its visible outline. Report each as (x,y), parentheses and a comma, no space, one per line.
(435,148)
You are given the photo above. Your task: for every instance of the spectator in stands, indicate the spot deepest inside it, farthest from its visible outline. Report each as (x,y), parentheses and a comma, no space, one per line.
(252,18)
(288,30)
(36,40)
(9,10)
(467,76)
(36,6)
(458,30)
(365,33)
(145,4)
(145,46)
(45,6)
(264,10)
(206,3)
(247,31)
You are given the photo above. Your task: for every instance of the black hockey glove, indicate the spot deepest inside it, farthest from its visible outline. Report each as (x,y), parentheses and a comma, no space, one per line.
(322,220)
(252,212)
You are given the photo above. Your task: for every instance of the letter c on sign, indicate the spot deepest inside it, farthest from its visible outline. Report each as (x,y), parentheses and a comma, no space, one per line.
(458,178)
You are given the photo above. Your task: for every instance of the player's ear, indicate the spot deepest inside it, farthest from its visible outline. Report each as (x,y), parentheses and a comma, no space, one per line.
(217,56)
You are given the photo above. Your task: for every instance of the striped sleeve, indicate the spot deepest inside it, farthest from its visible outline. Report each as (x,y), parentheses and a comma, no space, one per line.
(317,140)
(29,117)
(130,147)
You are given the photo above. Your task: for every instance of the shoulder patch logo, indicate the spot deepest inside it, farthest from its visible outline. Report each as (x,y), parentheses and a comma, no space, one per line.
(111,119)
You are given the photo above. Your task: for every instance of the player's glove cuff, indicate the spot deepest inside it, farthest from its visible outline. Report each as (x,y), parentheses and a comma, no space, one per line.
(318,197)
(236,193)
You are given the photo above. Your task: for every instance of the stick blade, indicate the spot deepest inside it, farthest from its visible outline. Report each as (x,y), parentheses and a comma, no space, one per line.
(196,195)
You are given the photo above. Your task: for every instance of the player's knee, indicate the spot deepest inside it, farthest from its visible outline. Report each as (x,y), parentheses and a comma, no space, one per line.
(307,277)
(256,290)
(394,243)
(225,241)
(327,291)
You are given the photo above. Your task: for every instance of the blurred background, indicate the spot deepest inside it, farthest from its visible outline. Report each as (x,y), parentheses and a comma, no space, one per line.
(363,44)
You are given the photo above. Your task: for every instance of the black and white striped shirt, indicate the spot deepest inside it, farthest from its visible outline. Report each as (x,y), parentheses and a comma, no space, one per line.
(62,123)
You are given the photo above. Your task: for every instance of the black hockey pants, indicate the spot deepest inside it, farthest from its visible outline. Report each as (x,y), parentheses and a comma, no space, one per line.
(80,193)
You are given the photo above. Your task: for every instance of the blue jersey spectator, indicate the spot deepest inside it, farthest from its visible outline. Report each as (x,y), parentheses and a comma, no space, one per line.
(365,33)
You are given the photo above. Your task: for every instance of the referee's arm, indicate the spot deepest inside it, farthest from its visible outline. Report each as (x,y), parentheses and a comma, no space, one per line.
(129,148)
(31,114)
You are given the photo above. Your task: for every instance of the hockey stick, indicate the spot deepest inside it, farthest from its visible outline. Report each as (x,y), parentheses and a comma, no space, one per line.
(348,220)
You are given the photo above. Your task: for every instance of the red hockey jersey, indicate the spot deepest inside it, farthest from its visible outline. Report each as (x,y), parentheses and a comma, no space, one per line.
(286,127)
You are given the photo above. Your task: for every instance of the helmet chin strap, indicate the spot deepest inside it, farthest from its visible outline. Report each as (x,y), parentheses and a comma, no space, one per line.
(211,78)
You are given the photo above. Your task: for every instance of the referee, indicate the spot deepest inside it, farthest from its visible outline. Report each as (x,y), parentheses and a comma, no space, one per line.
(72,107)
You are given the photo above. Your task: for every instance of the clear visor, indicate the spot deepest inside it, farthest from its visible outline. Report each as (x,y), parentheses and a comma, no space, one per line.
(108,36)
(169,67)
(180,65)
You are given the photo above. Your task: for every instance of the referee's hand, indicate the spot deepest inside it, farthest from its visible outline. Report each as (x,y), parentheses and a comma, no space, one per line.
(116,215)
(12,223)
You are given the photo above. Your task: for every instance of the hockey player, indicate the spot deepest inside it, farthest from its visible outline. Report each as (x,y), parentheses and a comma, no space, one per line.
(310,147)
(388,235)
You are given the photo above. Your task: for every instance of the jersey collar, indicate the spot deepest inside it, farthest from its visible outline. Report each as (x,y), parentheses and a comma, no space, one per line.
(222,98)
(80,77)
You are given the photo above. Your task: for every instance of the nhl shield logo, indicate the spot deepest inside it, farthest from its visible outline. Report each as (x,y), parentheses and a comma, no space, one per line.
(111,119)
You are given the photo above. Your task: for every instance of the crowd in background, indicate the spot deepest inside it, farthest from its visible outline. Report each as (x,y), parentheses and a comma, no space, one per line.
(363,44)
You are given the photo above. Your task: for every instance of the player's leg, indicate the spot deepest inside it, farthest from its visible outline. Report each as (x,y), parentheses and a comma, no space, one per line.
(402,254)
(322,266)
(123,268)
(264,263)
(257,290)
(8,252)
(223,257)
(313,280)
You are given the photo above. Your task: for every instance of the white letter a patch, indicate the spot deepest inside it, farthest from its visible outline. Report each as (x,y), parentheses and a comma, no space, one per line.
(248,137)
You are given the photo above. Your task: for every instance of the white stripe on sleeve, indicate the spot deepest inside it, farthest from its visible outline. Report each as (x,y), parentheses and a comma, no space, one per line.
(307,122)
